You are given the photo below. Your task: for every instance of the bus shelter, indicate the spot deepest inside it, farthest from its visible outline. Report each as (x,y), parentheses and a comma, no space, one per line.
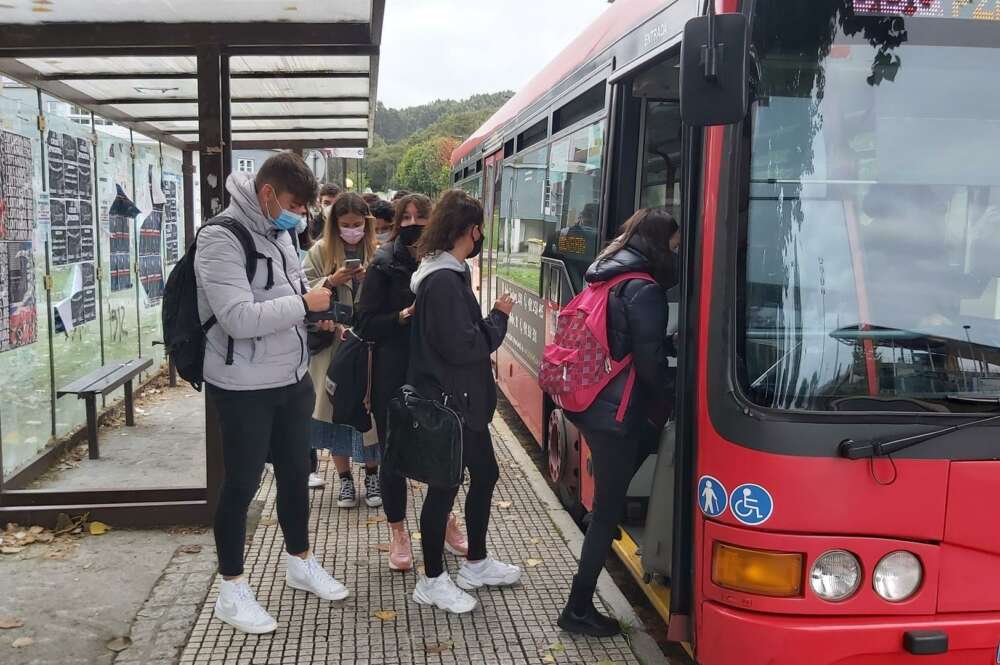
(201,79)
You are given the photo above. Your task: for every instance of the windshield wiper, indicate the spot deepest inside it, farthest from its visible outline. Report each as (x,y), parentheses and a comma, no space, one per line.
(852,449)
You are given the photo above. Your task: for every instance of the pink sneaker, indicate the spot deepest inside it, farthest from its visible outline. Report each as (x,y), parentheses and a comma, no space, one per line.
(454,540)
(400,552)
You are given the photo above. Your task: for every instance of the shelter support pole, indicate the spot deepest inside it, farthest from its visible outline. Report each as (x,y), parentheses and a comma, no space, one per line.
(211,152)
(187,172)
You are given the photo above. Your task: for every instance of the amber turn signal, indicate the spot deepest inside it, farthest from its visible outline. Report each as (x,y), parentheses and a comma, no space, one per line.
(760,572)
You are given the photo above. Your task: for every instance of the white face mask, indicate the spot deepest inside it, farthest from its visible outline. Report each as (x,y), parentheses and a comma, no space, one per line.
(384,237)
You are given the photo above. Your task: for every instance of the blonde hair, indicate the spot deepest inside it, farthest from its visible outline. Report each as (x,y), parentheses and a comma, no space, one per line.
(332,244)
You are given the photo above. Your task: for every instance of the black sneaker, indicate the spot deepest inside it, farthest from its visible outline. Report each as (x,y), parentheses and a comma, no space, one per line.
(348,494)
(373,490)
(591,623)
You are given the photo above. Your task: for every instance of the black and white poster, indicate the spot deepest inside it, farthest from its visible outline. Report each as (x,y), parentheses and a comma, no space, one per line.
(71,196)
(171,220)
(18,312)
(80,306)
(120,217)
(151,246)
(526,326)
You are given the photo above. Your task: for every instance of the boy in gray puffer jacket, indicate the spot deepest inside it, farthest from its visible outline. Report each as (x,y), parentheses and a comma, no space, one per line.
(259,384)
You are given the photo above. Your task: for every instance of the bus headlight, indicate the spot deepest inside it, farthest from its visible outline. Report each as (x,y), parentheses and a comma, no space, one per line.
(835,575)
(898,576)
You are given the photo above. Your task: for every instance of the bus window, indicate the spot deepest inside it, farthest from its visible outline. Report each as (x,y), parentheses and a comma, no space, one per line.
(660,184)
(874,219)
(573,206)
(523,227)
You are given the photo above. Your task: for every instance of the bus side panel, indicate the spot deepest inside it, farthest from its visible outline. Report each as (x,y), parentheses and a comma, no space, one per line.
(521,388)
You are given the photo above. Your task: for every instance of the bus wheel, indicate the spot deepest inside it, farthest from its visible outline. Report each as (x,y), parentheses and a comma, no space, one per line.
(564,463)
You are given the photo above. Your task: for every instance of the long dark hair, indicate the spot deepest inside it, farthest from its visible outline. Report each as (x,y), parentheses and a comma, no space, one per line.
(649,231)
(454,214)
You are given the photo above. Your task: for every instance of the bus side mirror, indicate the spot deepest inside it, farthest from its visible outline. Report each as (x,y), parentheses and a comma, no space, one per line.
(714,61)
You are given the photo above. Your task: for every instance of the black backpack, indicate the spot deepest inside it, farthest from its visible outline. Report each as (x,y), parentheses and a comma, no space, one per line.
(183,331)
(349,383)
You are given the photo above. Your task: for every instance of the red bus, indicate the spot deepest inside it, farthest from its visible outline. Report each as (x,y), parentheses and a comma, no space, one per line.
(822,489)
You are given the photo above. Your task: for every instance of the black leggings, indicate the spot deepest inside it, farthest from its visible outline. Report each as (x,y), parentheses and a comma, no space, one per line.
(614,465)
(393,484)
(481,461)
(255,423)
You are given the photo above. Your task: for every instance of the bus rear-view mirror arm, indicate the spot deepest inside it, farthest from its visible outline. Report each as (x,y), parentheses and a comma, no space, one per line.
(714,64)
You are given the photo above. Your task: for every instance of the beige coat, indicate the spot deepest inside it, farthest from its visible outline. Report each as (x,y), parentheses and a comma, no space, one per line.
(320,363)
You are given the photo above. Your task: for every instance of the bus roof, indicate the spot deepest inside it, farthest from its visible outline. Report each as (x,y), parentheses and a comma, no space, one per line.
(617,21)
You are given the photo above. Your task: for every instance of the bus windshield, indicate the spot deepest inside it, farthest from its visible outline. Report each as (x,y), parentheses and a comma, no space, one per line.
(871,254)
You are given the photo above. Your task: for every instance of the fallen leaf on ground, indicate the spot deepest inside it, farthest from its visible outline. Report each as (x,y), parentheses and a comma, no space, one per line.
(416,535)
(7,623)
(441,647)
(548,658)
(11,550)
(119,644)
(556,647)
(385,615)
(605,662)
(36,530)
(189,549)
(22,642)
(375,520)
(531,563)
(45,537)
(534,541)
(382,547)
(267,521)
(98,528)
(504,504)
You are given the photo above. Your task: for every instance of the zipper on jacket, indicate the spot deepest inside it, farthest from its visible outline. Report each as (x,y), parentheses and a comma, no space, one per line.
(284,270)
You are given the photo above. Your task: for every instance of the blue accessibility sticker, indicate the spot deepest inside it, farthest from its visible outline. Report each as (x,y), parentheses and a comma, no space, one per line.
(712,496)
(751,504)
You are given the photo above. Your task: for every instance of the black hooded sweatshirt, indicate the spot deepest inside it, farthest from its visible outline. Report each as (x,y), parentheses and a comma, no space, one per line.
(637,324)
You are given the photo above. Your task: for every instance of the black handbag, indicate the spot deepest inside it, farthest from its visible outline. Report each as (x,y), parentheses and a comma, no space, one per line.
(349,383)
(424,441)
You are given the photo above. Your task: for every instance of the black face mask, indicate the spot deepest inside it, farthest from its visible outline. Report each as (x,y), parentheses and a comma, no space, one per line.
(478,247)
(410,234)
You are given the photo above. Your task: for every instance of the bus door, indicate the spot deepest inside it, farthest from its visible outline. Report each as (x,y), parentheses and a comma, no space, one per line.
(491,209)
(651,150)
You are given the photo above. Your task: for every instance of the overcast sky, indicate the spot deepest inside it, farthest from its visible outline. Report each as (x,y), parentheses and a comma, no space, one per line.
(450,49)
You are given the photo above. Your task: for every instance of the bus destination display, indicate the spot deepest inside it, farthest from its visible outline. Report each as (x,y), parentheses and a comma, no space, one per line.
(978,10)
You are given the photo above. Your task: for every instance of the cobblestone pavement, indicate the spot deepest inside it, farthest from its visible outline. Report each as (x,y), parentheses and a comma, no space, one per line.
(513,625)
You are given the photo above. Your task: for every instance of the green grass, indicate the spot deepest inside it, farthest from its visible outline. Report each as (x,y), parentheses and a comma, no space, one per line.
(526,276)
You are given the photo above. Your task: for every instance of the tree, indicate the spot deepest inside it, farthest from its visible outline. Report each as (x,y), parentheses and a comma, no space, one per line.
(426,167)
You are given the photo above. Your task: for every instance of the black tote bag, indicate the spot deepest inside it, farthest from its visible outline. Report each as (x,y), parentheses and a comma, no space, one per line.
(424,441)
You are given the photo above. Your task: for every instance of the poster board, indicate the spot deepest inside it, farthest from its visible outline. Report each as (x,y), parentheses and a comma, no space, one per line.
(18,311)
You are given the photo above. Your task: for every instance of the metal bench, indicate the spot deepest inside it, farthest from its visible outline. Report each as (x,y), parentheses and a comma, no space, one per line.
(101,382)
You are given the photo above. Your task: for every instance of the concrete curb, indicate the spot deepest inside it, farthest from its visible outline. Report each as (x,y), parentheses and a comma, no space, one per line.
(643,646)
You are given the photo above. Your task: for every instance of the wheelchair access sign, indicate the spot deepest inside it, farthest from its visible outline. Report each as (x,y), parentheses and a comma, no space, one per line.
(751,504)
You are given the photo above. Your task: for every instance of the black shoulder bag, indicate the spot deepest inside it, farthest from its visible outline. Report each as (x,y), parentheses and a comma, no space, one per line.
(424,441)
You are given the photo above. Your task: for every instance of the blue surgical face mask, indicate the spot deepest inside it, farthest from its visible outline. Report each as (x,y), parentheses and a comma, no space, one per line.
(286,220)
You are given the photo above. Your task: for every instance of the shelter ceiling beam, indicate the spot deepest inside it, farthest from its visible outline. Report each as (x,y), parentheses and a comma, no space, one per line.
(167,76)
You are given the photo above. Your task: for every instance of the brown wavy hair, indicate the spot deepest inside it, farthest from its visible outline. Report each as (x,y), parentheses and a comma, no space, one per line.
(649,231)
(422,203)
(453,215)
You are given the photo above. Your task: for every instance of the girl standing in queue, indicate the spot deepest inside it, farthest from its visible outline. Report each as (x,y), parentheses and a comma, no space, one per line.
(385,311)
(637,324)
(337,260)
(450,350)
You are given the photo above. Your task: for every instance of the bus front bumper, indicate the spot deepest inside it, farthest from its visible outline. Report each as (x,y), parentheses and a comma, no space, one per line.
(729,636)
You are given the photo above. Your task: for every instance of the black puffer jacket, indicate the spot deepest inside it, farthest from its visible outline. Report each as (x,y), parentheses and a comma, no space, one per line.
(386,292)
(451,342)
(637,324)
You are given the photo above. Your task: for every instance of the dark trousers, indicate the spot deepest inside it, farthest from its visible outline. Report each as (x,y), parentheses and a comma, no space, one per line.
(481,462)
(393,484)
(313,460)
(614,465)
(256,423)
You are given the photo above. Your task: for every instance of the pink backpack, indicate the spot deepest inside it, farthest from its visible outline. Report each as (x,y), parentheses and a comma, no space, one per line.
(577,365)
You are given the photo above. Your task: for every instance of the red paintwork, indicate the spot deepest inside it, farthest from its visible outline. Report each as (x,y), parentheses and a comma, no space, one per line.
(616,22)
(969,580)
(733,637)
(864,601)
(521,388)
(586,476)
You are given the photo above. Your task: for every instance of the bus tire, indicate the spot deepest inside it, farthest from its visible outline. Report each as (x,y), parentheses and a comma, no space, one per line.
(564,462)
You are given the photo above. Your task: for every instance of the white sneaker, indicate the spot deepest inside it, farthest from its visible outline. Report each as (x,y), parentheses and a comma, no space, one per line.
(308,575)
(238,607)
(316,480)
(269,468)
(441,592)
(488,572)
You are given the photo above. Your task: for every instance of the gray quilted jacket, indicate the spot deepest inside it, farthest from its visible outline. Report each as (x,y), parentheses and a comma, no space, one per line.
(267,325)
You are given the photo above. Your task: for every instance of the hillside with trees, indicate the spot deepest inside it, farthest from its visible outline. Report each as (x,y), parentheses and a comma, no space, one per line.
(412,146)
